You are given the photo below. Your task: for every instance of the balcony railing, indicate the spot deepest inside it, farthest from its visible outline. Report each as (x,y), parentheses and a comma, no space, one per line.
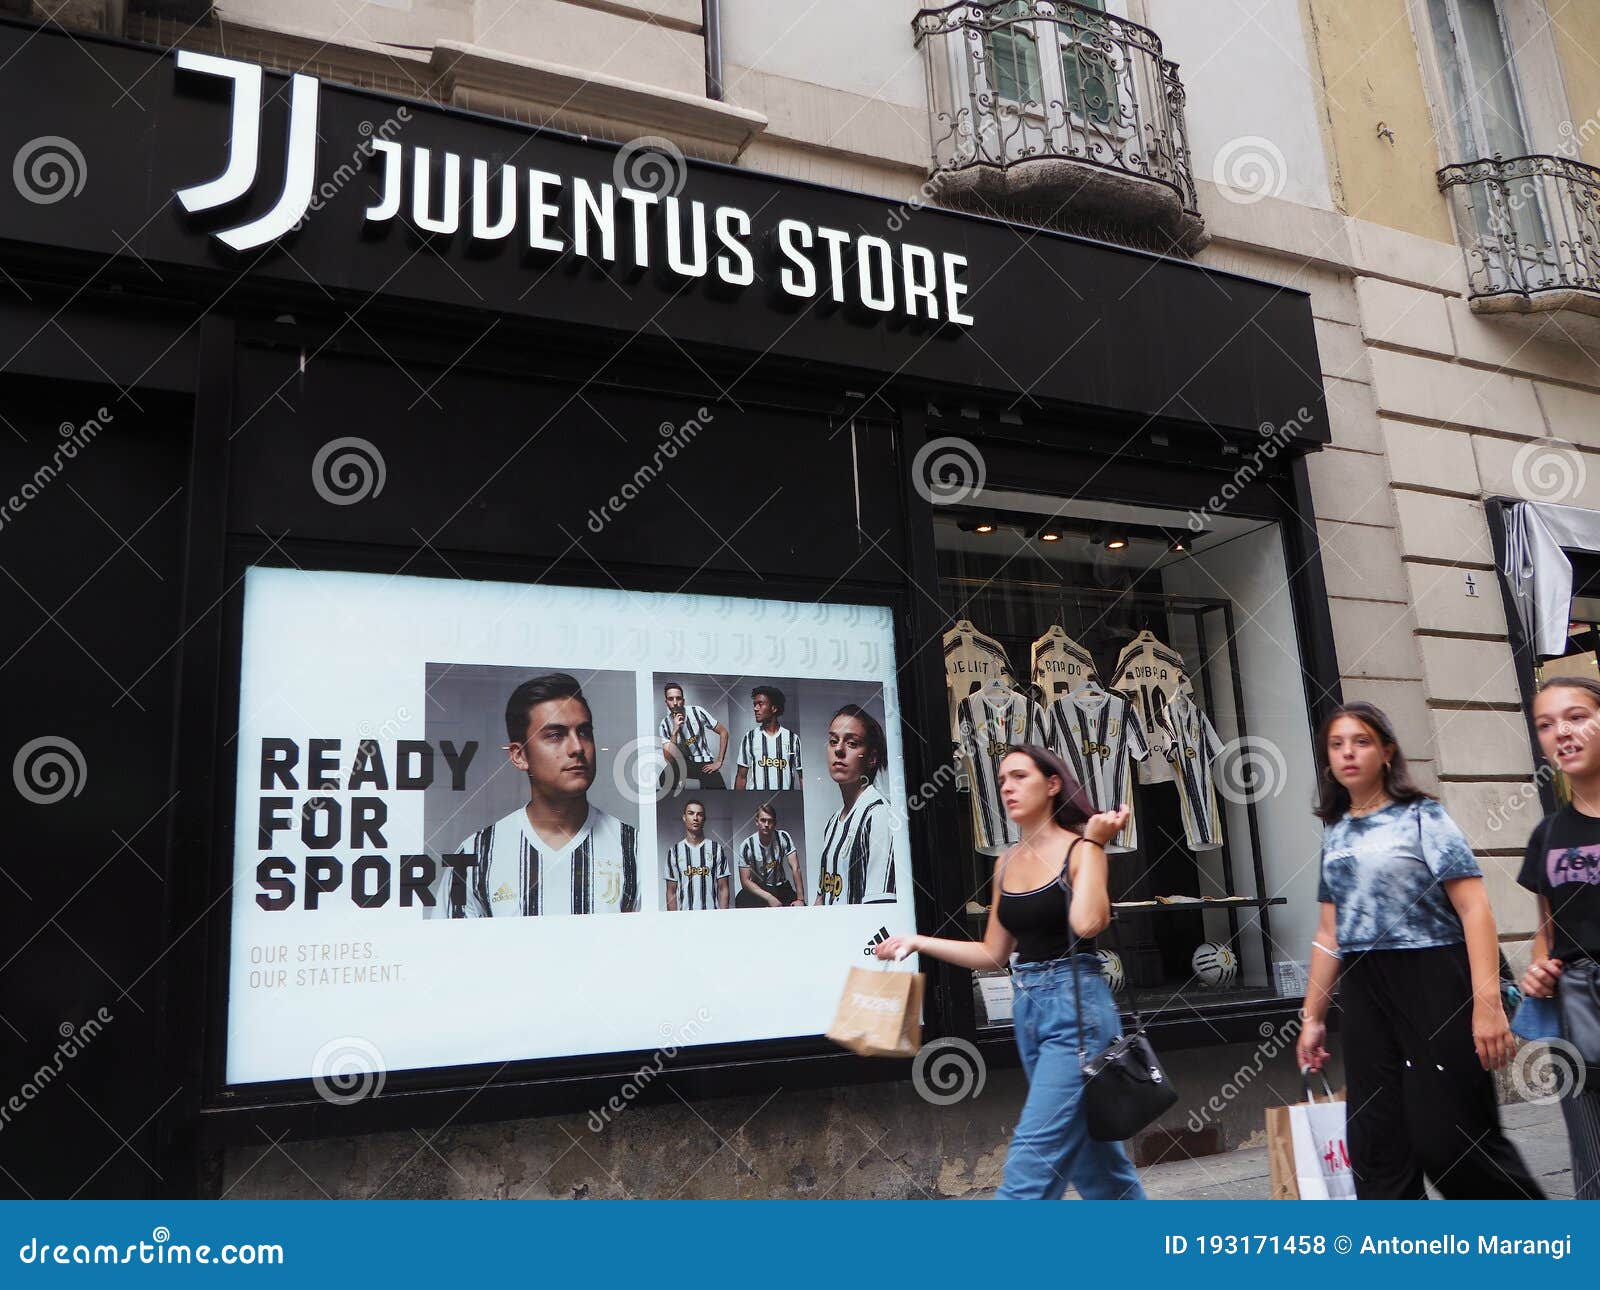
(1042,107)
(1530,227)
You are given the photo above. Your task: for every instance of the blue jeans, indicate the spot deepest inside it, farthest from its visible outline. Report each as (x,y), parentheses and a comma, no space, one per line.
(1051,1146)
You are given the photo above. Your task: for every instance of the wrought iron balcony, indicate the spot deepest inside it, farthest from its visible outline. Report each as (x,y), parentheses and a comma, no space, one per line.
(1530,227)
(1040,107)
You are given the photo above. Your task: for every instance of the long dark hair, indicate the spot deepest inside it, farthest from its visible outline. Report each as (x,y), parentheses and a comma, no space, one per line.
(1073,808)
(1333,798)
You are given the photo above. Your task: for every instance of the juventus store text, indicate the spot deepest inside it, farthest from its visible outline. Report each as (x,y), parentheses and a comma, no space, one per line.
(344,432)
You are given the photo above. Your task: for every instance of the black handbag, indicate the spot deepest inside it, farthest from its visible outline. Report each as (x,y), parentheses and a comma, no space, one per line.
(1578,997)
(1124,1087)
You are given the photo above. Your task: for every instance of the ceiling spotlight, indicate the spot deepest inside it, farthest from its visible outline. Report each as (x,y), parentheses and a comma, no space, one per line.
(1178,546)
(1048,534)
(1116,542)
(984,526)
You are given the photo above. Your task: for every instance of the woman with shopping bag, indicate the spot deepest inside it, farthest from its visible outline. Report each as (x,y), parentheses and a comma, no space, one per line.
(1407,933)
(1048,900)
(1562,868)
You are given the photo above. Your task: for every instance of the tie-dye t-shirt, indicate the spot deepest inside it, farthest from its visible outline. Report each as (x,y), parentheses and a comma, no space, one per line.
(1563,866)
(1385,873)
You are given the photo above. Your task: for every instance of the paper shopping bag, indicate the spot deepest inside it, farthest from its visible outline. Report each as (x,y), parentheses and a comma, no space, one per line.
(1307,1151)
(880,1013)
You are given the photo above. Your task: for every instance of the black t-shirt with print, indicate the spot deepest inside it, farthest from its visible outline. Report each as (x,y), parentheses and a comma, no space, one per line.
(1563,865)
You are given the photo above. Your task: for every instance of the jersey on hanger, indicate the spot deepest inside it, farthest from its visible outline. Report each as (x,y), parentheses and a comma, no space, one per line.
(696,868)
(857,864)
(970,659)
(770,761)
(516,873)
(1097,733)
(1150,673)
(988,732)
(1194,747)
(1060,664)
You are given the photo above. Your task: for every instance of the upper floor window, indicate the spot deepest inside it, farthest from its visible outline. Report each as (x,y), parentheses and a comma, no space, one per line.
(1014,56)
(1480,80)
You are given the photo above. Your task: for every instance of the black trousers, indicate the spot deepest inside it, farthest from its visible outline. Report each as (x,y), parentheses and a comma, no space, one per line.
(1419,1104)
(783,891)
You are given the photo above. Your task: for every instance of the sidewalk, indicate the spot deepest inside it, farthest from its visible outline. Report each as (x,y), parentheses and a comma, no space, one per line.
(1537,1131)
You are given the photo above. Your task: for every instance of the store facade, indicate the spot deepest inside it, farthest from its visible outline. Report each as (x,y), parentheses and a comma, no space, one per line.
(396,412)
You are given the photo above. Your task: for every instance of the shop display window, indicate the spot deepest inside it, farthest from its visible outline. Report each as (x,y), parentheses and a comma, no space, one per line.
(1157,653)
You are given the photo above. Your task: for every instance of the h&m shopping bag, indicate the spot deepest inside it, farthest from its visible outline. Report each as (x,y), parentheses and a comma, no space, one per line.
(880,1013)
(1307,1151)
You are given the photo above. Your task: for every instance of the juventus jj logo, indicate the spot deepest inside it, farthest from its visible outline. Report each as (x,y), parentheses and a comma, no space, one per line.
(878,939)
(244,149)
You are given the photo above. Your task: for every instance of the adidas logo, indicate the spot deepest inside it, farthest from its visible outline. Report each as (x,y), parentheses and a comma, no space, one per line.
(878,939)
(504,892)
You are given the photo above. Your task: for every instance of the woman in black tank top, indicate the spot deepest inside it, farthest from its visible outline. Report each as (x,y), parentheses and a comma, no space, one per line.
(1049,899)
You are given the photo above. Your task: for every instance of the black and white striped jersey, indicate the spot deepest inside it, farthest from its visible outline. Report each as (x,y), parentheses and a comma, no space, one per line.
(970,659)
(516,873)
(695,736)
(770,761)
(988,732)
(1060,664)
(767,863)
(1097,733)
(695,868)
(857,864)
(1149,674)
(1195,745)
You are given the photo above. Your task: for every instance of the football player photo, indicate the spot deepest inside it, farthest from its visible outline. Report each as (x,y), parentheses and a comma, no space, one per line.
(770,872)
(557,853)
(769,755)
(856,864)
(696,868)
(686,733)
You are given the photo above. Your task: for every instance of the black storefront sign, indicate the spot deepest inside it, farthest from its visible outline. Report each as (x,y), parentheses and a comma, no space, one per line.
(511,373)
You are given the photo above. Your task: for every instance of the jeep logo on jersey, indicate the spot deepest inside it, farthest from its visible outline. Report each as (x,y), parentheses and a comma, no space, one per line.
(244,150)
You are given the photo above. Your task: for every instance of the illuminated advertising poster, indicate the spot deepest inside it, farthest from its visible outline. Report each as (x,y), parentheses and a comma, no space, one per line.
(487,822)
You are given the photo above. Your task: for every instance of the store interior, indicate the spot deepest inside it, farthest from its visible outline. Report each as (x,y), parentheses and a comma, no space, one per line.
(1064,618)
